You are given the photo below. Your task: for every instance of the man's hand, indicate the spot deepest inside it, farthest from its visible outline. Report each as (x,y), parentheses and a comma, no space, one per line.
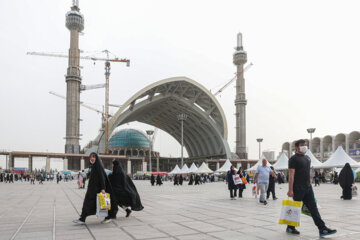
(290,193)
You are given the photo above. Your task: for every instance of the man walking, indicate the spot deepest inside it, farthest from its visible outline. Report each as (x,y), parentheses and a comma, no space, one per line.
(262,175)
(271,187)
(300,188)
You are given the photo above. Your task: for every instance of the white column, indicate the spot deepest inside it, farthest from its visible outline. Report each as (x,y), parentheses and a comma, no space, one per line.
(144,169)
(217,165)
(321,149)
(128,166)
(238,165)
(82,164)
(157,164)
(65,162)
(333,145)
(30,164)
(47,168)
(347,143)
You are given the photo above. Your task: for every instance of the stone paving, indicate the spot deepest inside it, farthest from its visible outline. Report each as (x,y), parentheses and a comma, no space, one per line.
(171,212)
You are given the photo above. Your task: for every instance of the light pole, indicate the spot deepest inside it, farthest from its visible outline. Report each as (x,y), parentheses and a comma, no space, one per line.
(182,117)
(311,131)
(150,133)
(259,140)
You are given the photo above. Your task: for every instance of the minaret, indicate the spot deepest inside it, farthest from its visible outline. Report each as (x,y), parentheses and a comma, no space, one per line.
(75,23)
(239,59)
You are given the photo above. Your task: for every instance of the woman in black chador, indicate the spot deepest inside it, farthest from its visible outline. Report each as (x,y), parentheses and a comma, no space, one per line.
(158,180)
(176,180)
(191,181)
(181,179)
(125,193)
(98,182)
(230,182)
(197,179)
(152,179)
(346,179)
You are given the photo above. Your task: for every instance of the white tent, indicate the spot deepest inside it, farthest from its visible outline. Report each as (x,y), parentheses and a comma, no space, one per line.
(282,163)
(184,169)
(314,162)
(338,159)
(225,167)
(254,168)
(193,168)
(204,169)
(176,170)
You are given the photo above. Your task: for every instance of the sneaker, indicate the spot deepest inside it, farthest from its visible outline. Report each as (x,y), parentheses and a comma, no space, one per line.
(265,202)
(128,212)
(261,201)
(327,231)
(78,221)
(292,231)
(106,220)
(275,198)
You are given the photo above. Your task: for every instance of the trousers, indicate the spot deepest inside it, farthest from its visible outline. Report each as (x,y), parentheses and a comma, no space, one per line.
(263,186)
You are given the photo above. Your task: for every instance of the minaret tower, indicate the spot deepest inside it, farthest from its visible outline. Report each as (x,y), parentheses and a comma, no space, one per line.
(75,23)
(239,59)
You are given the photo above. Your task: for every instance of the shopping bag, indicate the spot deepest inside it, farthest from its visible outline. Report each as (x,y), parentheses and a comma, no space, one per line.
(102,204)
(290,213)
(237,179)
(244,181)
(306,211)
(354,190)
(255,190)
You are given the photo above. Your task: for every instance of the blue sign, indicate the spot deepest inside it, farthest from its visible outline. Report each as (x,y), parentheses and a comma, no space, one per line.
(354,152)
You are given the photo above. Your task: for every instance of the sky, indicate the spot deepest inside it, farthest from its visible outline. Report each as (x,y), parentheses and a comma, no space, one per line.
(305,73)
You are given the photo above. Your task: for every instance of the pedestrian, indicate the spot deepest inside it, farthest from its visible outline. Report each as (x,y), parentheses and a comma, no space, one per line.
(158,180)
(317,178)
(32,178)
(271,187)
(98,182)
(80,180)
(152,179)
(230,182)
(84,178)
(242,186)
(300,188)
(336,178)
(124,195)
(197,179)
(191,181)
(181,179)
(262,176)
(176,180)
(57,178)
(346,180)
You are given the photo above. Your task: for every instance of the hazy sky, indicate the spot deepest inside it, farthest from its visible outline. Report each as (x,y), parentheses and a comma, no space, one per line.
(305,73)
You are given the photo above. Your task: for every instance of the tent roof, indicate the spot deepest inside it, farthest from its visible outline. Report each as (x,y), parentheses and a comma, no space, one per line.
(338,159)
(253,168)
(282,163)
(225,167)
(193,168)
(315,163)
(204,169)
(176,170)
(184,169)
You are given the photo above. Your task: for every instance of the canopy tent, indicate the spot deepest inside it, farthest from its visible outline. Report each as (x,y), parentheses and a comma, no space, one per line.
(176,170)
(254,168)
(338,159)
(184,169)
(282,163)
(225,167)
(314,162)
(193,168)
(204,169)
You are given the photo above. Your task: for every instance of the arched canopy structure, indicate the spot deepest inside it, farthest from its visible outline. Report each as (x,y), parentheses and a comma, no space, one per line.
(354,140)
(340,140)
(327,143)
(205,129)
(315,148)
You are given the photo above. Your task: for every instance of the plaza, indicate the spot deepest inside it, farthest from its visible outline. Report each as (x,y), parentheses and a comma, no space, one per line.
(171,212)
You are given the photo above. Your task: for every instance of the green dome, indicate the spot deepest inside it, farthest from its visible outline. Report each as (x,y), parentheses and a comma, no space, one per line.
(129,138)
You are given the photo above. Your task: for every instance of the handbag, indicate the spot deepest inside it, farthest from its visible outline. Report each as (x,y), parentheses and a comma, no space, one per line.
(237,179)
(290,213)
(244,181)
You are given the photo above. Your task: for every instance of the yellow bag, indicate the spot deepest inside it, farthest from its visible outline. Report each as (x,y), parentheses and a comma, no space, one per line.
(104,201)
(290,213)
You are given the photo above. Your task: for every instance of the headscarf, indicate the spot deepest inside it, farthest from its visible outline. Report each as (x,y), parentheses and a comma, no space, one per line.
(346,177)
(97,166)
(117,168)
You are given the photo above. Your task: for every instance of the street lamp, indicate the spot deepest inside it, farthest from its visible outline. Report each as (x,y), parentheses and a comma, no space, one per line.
(259,140)
(150,133)
(182,117)
(311,131)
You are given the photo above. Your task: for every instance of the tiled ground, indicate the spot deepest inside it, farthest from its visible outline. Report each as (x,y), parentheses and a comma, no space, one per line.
(171,212)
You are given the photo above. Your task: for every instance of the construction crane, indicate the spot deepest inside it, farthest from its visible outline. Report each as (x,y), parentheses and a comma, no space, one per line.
(233,79)
(107,75)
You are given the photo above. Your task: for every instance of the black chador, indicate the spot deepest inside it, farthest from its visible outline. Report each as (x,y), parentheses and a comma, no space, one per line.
(158,180)
(181,179)
(346,179)
(152,179)
(125,193)
(197,180)
(98,181)
(176,180)
(191,181)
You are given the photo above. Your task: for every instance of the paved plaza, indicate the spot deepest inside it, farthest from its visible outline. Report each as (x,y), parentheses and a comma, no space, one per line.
(171,212)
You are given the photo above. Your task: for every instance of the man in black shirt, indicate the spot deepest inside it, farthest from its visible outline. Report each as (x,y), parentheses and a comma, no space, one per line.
(300,188)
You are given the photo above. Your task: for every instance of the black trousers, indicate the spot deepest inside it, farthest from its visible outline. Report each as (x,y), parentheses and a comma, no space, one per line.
(271,189)
(306,195)
(232,193)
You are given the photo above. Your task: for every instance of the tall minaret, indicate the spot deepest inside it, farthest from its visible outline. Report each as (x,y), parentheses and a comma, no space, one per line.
(239,59)
(75,23)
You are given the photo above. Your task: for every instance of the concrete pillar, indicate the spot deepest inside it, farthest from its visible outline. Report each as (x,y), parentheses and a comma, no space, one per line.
(30,163)
(144,168)
(82,164)
(217,165)
(11,161)
(347,143)
(128,166)
(321,150)
(65,166)
(157,165)
(333,145)
(238,165)
(47,166)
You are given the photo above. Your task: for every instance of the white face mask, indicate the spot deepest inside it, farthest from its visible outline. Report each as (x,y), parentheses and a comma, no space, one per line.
(303,149)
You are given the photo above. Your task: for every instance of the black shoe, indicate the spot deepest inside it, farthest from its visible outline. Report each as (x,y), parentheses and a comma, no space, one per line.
(274,198)
(265,202)
(327,231)
(261,201)
(292,230)
(128,212)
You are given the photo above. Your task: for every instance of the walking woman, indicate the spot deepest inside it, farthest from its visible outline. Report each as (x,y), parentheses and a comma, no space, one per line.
(230,182)
(346,180)
(125,193)
(98,182)
(158,180)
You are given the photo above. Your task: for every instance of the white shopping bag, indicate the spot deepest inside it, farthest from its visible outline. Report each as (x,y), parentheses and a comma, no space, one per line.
(255,190)
(354,190)
(290,213)
(237,179)
(102,204)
